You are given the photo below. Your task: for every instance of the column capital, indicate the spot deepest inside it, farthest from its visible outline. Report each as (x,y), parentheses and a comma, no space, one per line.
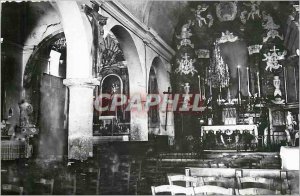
(81,82)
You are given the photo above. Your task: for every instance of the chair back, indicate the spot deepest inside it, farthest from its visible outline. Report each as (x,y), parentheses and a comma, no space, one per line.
(256,191)
(210,189)
(173,189)
(267,183)
(182,178)
(217,181)
(94,178)
(9,188)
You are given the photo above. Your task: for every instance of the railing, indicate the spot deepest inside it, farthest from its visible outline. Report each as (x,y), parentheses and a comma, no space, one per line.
(11,149)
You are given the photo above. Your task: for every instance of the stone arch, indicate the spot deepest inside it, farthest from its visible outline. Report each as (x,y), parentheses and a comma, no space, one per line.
(163,80)
(139,124)
(79,61)
(30,66)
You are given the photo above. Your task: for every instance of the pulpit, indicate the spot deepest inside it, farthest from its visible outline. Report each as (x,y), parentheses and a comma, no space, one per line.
(230,137)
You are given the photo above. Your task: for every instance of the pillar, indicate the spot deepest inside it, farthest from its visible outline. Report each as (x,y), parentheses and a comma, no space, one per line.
(80,138)
(79,79)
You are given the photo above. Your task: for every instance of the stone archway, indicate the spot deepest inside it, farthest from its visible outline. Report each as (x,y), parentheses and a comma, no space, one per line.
(44,89)
(163,79)
(139,119)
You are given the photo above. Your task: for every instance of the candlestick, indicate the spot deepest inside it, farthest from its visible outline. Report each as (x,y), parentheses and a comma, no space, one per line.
(258,84)
(239,83)
(199,80)
(296,90)
(210,88)
(248,80)
(285,90)
(203,90)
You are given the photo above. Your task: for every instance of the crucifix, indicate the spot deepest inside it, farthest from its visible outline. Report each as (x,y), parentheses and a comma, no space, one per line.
(97,22)
(168,93)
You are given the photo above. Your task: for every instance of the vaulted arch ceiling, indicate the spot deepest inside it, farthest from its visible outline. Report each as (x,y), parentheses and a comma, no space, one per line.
(162,16)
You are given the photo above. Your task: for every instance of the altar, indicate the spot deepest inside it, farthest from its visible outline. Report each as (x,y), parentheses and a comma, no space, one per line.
(230,137)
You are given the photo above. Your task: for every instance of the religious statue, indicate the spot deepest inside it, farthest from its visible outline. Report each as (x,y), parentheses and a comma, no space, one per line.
(227,37)
(254,9)
(243,17)
(270,26)
(290,131)
(199,17)
(25,110)
(186,99)
(97,22)
(210,20)
(185,35)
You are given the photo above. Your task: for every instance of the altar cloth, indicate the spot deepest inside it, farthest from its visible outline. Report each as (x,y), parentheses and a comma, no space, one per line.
(289,157)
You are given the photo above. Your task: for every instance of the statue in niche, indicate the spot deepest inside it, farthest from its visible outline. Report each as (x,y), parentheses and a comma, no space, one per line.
(97,22)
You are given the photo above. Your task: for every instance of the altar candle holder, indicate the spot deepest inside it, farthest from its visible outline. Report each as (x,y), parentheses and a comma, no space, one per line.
(258,84)
(248,82)
(239,84)
(199,80)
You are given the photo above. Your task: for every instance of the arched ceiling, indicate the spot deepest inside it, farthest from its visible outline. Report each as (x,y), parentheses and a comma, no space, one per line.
(23,21)
(162,16)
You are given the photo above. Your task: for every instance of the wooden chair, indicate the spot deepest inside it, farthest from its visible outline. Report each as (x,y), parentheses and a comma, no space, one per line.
(69,184)
(11,189)
(94,179)
(256,191)
(217,181)
(210,189)
(267,183)
(173,189)
(182,178)
(47,185)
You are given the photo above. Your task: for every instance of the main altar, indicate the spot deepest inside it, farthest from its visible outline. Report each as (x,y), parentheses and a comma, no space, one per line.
(244,72)
(230,137)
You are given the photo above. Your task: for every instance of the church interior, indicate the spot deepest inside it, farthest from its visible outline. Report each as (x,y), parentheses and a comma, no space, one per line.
(147,97)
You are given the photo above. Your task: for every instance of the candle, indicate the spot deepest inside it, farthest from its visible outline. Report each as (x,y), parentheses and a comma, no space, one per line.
(258,84)
(210,88)
(285,90)
(296,91)
(199,79)
(248,80)
(239,83)
(203,90)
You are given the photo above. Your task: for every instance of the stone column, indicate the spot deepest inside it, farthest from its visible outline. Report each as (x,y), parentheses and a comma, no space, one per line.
(80,139)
